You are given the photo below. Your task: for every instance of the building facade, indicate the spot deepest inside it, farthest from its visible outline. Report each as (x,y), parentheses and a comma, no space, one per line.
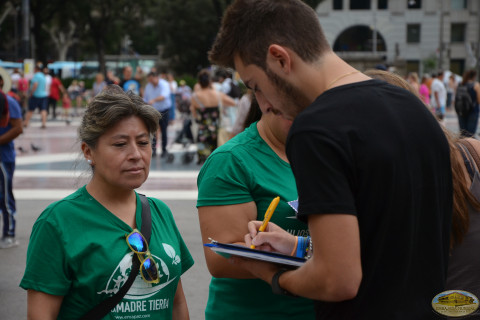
(410,35)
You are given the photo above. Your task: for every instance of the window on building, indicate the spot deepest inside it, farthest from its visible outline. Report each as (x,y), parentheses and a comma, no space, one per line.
(359,4)
(382,4)
(458,4)
(414,4)
(413,66)
(413,33)
(457,32)
(337,4)
(457,66)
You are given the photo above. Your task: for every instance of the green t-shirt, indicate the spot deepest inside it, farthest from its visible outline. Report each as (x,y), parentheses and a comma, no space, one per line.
(242,170)
(78,250)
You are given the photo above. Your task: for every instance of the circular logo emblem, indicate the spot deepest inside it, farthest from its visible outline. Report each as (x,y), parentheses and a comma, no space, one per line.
(455,303)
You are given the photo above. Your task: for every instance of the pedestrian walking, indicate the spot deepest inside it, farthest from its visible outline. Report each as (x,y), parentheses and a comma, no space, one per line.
(424,91)
(99,84)
(129,83)
(56,90)
(467,101)
(157,94)
(7,168)
(451,89)
(173,91)
(439,95)
(38,97)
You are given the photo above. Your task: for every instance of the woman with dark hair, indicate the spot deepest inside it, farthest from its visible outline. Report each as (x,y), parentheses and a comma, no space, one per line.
(207,106)
(235,185)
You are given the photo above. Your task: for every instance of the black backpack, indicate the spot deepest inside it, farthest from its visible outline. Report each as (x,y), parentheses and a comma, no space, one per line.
(463,101)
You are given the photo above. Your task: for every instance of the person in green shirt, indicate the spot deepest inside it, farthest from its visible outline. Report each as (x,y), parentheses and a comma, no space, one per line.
(78,255)
(236,185)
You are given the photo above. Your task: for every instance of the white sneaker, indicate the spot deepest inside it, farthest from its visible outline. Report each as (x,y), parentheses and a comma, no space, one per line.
(8,242)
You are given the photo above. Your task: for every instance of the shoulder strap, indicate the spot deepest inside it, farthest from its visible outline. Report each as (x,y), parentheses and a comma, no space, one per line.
(146,227)
(194,96)
(467,159)
(473,153)
(104,307)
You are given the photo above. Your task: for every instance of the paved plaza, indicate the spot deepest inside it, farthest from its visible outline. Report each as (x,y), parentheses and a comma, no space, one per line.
(57,169)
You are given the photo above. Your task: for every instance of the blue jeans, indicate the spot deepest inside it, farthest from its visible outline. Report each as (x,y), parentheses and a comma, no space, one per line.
(7,201)
(468,124)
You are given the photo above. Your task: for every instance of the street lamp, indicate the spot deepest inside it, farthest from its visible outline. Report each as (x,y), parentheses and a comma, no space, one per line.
(374,34)
(25,52)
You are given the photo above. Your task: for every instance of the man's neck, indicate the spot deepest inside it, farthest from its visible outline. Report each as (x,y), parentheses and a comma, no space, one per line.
(328,72)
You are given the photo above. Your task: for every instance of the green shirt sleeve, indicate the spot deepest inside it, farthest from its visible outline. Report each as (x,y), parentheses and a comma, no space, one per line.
(46,269)
(223,180)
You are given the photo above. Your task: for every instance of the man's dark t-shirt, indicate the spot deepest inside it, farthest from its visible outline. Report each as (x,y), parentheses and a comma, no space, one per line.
(373,150)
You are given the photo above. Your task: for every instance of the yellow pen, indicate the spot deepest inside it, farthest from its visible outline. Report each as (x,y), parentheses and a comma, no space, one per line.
(268,215)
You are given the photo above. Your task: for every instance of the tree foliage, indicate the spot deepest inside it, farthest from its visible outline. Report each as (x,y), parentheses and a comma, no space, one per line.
(187,38)
(86,30)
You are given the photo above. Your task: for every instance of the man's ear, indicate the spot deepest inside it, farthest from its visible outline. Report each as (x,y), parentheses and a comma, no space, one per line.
(279,59)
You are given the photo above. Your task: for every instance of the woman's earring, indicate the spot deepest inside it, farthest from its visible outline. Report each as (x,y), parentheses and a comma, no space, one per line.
(89,161)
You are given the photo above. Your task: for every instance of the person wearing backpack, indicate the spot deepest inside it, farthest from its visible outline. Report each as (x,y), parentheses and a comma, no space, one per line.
(467,100)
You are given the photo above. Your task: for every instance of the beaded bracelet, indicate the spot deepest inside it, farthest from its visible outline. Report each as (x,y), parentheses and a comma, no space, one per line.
(309,250)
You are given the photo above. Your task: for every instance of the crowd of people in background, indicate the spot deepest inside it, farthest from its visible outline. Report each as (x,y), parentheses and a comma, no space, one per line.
(46,93)
(440,94)
(55,100)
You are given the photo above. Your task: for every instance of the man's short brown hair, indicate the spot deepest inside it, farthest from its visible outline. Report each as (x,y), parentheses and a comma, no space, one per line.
(249,27)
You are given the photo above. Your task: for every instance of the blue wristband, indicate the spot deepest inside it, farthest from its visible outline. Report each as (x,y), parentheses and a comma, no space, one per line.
(300,245)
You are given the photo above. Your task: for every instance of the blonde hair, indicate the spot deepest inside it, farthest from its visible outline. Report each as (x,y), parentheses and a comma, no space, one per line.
(391,78)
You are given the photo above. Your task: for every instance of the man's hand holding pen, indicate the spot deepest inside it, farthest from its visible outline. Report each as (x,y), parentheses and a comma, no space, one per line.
(273,239)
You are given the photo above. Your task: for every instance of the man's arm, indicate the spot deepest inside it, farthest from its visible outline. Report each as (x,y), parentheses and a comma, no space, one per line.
(33,88)
(157,99)
(333,273)
(437,99)
(476,87)
(15,130)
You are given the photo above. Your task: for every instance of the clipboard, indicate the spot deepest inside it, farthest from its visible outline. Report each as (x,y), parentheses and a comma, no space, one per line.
(226,250)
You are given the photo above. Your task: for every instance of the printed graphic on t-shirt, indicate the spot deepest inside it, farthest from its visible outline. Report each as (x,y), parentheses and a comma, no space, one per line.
(296,232)
(294,205)
(143,297)
(131,85)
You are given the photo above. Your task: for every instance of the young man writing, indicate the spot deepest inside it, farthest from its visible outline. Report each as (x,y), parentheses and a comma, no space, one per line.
(371,163)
